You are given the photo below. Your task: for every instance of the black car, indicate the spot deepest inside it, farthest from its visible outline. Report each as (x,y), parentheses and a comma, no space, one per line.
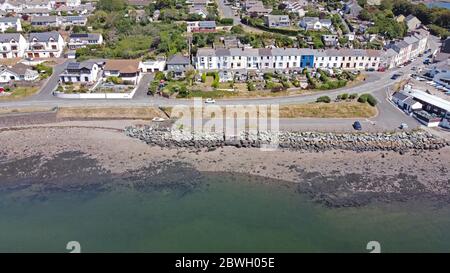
(395,76)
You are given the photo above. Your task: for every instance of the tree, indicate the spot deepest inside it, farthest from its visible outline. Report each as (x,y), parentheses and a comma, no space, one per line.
(111,5)
(365,15)
(386,5)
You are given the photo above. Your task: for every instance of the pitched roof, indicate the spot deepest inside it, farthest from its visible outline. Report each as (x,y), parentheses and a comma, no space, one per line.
(20,68)
(400,96)
(178,59)
(123,66)
(81,65)
(7,37)
(85,36)
(208,24)
(44,19)
(44,36)
(8,19)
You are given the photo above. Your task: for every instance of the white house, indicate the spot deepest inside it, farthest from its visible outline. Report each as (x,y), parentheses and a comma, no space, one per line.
(314,23)
(6,75)
(127,70)
(45,45)
(10,23)
(18,72)
(84,72)
(19,5)
(153,65)
(79,40)
(12,45)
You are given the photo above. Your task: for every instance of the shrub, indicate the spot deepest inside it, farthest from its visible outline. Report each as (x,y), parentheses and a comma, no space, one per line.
(372,100)
(226,21)
(296,83)
(368,98)
(159,75)
(344,96)
(324,99)
(286,84)
(362,99)
(341,83)
(204,77)
(353,96)
(251,86)
(215,83)
(114,79)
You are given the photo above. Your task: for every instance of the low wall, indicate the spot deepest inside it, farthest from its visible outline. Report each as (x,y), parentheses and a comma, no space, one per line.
(96,95)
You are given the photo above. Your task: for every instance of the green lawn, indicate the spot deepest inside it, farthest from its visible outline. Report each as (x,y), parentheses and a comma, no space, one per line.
(20,93)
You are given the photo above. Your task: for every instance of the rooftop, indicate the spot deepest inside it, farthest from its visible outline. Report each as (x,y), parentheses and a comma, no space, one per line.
(433,100)
(123,66)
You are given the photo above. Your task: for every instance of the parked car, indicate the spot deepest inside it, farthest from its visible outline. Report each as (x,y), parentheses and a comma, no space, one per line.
(209,100)
(357,126)
(403,126)
(158,119)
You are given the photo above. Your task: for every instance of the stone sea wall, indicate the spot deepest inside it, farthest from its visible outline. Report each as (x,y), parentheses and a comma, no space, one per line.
(308,141)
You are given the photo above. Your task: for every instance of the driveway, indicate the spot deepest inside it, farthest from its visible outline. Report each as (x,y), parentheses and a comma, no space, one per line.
(51,83)
(141,92)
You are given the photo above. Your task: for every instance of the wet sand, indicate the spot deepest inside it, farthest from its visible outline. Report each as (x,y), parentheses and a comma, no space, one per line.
(334,178)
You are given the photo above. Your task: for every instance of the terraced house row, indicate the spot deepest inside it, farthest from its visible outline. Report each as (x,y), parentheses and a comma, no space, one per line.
(285,59)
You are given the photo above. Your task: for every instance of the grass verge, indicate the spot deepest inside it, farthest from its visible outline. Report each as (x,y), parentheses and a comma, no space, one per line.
(110,112)
(20,93)
(328,110)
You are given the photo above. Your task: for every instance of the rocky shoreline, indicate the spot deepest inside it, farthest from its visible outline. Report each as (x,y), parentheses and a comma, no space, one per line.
(401,142)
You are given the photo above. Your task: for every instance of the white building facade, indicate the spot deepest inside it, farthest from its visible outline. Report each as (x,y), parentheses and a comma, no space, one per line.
(12,45)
